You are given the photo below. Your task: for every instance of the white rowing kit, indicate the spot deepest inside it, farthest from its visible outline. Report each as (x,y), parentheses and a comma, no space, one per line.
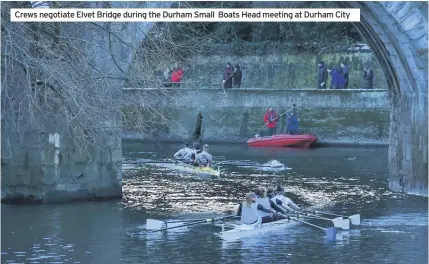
(249,214)
(265,202)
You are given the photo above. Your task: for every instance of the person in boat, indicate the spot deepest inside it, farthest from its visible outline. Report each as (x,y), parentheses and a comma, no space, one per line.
(250,208)
(285,201)
(270,119)
(292,124)
(191,155)
(183,152)
(204,159)
(275,202)
(268,203)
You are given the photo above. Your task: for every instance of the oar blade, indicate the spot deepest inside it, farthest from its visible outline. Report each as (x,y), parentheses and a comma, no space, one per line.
(355,219)
(338,222)
(331,233)
(152,224)
(346,224)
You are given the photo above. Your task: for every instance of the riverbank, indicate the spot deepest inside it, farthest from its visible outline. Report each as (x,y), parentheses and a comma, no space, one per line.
(318,144)
(347,117)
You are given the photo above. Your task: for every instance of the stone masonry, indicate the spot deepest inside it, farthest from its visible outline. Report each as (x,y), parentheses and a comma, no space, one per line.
(397,32)
(44,165)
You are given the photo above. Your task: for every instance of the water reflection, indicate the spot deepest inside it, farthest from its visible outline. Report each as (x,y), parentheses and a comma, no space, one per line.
(344,181)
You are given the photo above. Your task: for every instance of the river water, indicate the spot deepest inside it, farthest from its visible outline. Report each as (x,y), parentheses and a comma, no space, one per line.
(394,227)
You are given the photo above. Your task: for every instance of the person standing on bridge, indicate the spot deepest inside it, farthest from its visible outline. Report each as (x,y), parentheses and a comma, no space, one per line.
(337,79)
(345,73)
(177,75)
(322,75)
(368,77)
(270,120)
(166,81)
(227,76)
(236,77)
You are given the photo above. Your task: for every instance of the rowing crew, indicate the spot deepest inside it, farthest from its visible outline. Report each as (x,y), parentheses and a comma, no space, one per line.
(265,205)
(195,156)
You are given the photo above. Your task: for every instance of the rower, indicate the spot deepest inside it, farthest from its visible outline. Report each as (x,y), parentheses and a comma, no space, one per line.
(204,159)
(275,203)
(249,210)
(285,201)
(183,152)
(267,203)
(192,154)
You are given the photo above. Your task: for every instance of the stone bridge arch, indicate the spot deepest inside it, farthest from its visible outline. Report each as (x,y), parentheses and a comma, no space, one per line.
(395,31)
(398,35)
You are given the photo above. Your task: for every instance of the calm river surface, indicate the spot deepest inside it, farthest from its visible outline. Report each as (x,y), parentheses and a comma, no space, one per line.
(394,227)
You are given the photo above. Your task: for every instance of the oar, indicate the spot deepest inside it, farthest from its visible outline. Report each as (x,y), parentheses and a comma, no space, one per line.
(156,225)
(175,226)
(250,165)
(261,166)
(338,222)
(330,232)
(158,161)
(355,219)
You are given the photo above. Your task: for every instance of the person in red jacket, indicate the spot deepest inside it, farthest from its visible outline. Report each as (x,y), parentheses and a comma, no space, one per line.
(271,118)
(177,75)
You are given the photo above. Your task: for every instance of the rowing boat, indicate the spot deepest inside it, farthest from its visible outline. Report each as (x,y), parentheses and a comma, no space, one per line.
(200,171)
(243,230)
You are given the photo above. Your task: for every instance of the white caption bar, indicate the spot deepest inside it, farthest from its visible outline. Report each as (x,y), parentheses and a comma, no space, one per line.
(184,15)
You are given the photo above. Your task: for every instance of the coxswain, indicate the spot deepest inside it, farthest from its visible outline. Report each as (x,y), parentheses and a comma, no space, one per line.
(285,201)
(249,210)
(183,152)
(204,159)
(267,202)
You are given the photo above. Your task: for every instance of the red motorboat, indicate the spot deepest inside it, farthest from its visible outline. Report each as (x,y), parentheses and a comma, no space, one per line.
(283,140)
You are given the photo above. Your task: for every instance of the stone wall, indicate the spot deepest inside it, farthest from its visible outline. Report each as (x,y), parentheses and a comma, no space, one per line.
(397,32)
(263,67)
(42,160)
(352,116)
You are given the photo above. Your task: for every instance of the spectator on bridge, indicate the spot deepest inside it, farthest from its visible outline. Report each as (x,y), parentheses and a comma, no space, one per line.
(368,77)
(227,76)
(236,77)
(345,73)
(322,75)
(337,79)
(166,81)
(177,75)
(270,119)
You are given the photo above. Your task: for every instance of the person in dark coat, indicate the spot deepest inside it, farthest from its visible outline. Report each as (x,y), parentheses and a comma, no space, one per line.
(292,124)
(337,79)
(345,73)
(368,77)
(322,75)
(236,77)
(227,76)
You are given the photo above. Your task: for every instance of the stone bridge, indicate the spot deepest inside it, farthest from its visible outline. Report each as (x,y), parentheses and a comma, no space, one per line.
(396,33)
